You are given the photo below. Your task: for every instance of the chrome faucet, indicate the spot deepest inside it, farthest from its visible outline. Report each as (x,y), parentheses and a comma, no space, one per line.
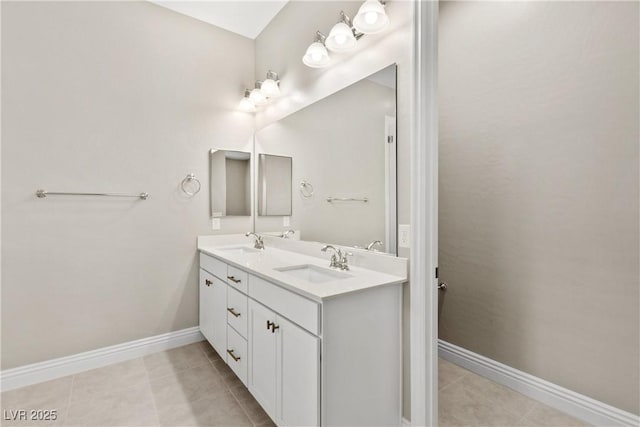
(285,235)
(259,242)
(338,258)
(372,244)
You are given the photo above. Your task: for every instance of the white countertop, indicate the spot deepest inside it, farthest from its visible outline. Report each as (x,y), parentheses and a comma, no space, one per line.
(264,264)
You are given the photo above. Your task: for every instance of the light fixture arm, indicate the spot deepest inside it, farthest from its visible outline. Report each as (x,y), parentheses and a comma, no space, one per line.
(320,37)
(273,76)
(347,20)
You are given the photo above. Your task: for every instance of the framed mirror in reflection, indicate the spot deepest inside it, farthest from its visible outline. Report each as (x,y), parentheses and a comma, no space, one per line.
(230,183)
(274,185)
(344,146)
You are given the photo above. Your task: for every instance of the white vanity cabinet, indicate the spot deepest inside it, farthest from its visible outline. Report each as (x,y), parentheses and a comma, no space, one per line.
(325,362)
(285,368)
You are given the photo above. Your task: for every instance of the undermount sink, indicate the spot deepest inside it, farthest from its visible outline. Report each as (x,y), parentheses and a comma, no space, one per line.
(240,250)
(313,273)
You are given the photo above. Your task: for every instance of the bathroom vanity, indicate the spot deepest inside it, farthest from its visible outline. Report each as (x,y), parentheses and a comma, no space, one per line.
(314,345)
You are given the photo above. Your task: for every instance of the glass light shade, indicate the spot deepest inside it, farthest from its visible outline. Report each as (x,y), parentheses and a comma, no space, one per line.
(316,56)
(247,105)
(341,38)
(371,18)
(270,88)
(257,98)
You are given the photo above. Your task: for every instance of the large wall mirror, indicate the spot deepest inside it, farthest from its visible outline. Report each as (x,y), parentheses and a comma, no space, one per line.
(230,183)
(344,149)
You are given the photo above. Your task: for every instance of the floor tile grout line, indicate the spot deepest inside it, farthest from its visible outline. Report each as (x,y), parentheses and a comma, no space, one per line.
(492,400)
(229,388)
(173,371)
(244,411)
(66,413)
(153,395)
(454,381)
(527,412)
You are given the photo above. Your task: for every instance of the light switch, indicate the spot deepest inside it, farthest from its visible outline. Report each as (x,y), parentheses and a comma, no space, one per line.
(404,235)
(215,223)
(286,221)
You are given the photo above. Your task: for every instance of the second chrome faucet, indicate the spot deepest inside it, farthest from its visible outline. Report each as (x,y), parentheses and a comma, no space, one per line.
(339,258)
(259,244)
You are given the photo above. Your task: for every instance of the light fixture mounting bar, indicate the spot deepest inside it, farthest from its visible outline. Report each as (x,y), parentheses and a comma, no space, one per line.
(347,20)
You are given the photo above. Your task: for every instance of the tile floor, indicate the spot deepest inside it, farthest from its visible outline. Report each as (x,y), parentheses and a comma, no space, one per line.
(192,386)
(467,399)
(185,386)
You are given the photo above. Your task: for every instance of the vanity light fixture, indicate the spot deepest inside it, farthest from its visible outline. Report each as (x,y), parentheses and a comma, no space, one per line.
(316,55)
(371,17)
(246,104)
(261,93)
(256,96)
(270,86)
(342,37)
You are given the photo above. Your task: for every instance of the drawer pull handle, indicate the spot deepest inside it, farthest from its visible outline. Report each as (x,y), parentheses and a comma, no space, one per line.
(269,324)
(208,282)
(233,356)
(233,311)
(233,279)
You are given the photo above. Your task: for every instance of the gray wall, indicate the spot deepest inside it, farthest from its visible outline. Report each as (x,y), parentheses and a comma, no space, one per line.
(109,96)
(539,189)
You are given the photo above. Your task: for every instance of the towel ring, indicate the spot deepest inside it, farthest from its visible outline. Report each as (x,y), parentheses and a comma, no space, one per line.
(190,178)
(306,189)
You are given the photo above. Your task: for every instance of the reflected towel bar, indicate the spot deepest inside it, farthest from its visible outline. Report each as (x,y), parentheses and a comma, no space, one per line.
(41,194)
(346,199)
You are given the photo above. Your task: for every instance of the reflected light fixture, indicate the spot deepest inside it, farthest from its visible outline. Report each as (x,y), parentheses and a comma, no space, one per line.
(316,55)
(270,86)
(246,104)
(342,37)
(261,94)
(256,96)
(371,17)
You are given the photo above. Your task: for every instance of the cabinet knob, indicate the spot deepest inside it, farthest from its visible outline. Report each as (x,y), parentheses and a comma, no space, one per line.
(208,282)
(233,279)
(233,311)
(233,356)
(274,327)
(269,324)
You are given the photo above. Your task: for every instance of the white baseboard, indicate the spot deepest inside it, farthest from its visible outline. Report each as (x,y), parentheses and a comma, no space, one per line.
(68,365)
(585,408)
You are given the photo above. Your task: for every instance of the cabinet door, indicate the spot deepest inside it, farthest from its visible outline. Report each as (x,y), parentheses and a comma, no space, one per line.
(262,356)
(213,311)
(298,359)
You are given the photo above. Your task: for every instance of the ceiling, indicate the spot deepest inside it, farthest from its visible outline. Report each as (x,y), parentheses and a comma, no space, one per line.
(247,18)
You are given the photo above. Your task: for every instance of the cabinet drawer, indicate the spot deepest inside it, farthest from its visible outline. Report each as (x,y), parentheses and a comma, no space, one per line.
(300,310)
(237,278)
(213,266)
(237,354)
(237,313)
